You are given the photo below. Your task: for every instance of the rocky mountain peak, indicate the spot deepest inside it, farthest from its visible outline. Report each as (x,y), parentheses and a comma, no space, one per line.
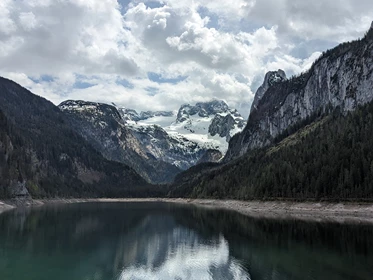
(202,109)
(213,121)
(92,110)
(270,79)
(129,114)
(273,77)
(120,134)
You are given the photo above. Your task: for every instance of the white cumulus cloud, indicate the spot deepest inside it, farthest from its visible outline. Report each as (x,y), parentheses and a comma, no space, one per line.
(151,55)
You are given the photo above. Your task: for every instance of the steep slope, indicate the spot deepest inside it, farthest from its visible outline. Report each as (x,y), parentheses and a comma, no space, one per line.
(211,156)
(178,151)
(158,145)
(341,77)
(329,159)
(270,79)
(43,155)
(103,127)
(309,137)
(148,149)
(12,164)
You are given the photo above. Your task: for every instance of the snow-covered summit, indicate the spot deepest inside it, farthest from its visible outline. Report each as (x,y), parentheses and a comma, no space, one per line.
(149,149)
(210,124)
(202,109)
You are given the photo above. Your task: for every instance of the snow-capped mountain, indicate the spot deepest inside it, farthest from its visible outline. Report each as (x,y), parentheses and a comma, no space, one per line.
(158,145)
(149,149)
(209,124)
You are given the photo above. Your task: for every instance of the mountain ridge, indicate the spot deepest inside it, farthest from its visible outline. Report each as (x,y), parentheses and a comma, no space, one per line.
(342,77)
(309,137)
(44,157)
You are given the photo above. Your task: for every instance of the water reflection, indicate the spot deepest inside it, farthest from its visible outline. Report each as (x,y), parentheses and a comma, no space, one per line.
(188,260)
(166,241)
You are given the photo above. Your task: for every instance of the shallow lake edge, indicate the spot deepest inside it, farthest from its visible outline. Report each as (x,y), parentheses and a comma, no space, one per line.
(312,211)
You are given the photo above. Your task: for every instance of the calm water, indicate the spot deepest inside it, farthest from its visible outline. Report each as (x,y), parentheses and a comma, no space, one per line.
(166,241)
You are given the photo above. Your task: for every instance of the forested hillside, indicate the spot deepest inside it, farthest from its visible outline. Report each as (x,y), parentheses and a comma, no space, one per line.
(41,155)
(329,159)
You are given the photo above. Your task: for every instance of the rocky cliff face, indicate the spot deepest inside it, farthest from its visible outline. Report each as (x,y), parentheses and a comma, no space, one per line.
(270,79)
(175,150)
(213,122)
(153,153)
(225,125)
(341,77)
(211,156)
(202,109)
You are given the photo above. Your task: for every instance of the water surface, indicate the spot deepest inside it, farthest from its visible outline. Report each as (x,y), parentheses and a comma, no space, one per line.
(107,241)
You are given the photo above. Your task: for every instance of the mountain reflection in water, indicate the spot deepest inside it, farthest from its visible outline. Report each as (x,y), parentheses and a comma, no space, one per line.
(189,260)
(118,241)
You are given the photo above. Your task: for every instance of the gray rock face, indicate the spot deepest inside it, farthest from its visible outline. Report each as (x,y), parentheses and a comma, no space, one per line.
(222,125)
(177,151)
(211,155)
(154,154)
(270,79)
(220,119)
(129,114)
(342,77)
(202,109)
(104,128)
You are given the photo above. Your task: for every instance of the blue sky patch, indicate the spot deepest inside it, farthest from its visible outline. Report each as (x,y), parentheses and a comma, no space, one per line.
(150,4)
(82,85)
(125,83)
(214,19)
(42,78)
(154,4)
(154,77)
(151,91)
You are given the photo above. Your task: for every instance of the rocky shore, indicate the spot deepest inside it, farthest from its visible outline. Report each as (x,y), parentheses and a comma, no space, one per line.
(312,211)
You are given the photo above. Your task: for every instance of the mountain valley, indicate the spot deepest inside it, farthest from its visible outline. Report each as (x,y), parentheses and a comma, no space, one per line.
(297,130)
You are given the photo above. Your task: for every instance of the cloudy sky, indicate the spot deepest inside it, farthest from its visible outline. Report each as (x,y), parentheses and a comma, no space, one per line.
(156,55)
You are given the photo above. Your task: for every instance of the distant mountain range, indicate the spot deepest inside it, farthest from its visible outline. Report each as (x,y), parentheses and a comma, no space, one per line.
(158,145)
(91,149)
(209,124)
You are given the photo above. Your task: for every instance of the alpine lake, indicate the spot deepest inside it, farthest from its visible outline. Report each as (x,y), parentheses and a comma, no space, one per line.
(155,240)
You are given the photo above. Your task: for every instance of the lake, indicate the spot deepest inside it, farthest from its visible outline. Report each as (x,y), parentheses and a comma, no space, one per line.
(153,240)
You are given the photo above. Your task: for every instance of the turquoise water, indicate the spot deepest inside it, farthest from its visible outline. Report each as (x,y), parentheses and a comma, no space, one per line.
(167,241)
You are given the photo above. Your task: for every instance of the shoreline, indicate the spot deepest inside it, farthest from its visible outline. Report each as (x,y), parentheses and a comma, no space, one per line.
(4,206)
(307,211)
